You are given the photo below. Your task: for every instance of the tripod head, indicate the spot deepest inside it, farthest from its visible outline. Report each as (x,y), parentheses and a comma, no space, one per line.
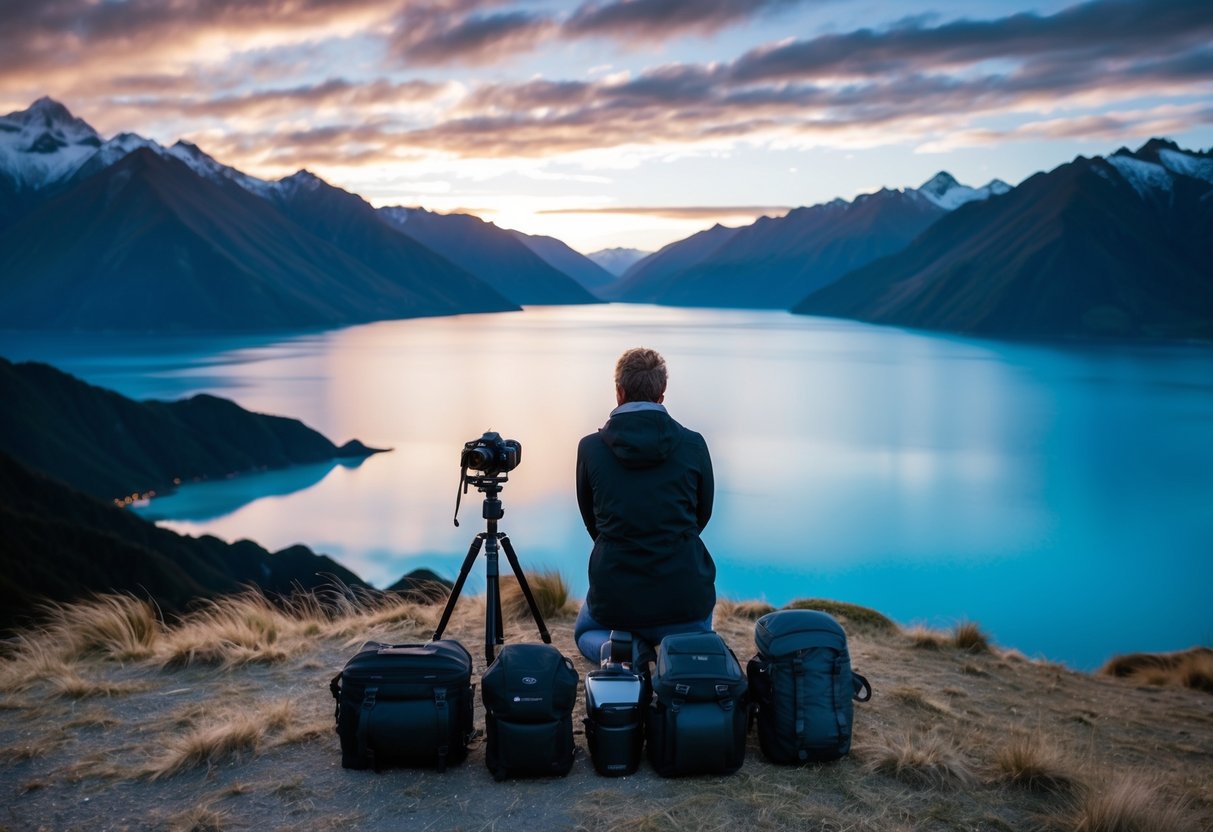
(490,486)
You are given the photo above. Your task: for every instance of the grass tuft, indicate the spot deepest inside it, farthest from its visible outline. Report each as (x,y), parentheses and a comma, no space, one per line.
(745,610)
(227,738)
(968,636)
(198,819)
(551,593)
(1030,763)
(229,632)
(115,626)
(925,638)
(852,614)
(1127,804)
(1191,668)
(929,760)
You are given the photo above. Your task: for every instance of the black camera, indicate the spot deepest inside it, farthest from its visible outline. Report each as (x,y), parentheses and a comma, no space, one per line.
(491,455)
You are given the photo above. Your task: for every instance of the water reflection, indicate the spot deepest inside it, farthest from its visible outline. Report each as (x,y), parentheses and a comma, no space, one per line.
(209,501)
(1039,490)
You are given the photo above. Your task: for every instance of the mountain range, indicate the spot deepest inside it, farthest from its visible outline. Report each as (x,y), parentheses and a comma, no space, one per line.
(124,234)
(1117,247)
(777,261)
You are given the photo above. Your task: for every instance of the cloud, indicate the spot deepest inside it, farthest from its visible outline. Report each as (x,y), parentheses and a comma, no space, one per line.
(470,32)
(1116,126)
(46,41)
(912,82)
(1103,30)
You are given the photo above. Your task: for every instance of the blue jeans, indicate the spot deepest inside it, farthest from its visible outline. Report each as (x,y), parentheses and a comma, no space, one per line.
(590,635)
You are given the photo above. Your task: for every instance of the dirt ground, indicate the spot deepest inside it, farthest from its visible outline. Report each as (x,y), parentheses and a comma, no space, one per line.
(930,752)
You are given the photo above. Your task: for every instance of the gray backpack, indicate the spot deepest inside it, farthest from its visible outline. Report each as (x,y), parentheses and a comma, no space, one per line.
(802,687)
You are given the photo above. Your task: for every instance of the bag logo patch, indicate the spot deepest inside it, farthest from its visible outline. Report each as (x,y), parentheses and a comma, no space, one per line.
(529,680)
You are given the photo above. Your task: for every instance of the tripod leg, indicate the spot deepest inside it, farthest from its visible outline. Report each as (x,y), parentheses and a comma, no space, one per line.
(526,589)
(493,632)
(473,550)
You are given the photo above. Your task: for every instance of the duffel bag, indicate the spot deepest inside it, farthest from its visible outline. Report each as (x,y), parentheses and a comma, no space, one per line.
(404,704)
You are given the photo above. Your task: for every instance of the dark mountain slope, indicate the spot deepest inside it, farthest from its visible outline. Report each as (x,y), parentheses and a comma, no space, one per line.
(146,244)
(776,261)
(60,544)
(491,254)
(650,279)
(1082,251)
(351,224)
(576,265)
(109,446)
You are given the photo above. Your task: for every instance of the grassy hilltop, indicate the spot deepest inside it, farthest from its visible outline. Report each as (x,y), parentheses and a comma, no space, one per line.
(222,720)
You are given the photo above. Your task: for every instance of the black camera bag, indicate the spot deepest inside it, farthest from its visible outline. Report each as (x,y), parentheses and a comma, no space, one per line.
(697,722)
(802,687)
(529,692)
(405,704)
(614,729)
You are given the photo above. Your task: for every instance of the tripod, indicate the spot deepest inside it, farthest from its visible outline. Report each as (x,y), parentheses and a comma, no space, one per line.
(493,631)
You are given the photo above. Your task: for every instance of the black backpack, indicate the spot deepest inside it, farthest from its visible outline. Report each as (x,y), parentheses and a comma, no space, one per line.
(529,692)
(404,704)
(697,721)
(802,687)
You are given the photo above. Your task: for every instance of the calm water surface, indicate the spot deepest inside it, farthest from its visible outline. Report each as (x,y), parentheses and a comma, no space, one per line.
(1061,496)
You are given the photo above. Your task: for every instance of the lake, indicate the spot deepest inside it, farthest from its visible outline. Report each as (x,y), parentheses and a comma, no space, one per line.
(1059,495)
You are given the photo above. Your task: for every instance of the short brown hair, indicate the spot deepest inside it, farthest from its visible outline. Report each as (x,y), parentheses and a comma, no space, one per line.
(640,373)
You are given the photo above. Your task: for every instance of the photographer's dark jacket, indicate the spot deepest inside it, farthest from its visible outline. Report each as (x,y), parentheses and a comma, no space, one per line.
(645,489)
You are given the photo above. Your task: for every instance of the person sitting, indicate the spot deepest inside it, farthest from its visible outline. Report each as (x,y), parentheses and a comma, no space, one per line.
(645,489)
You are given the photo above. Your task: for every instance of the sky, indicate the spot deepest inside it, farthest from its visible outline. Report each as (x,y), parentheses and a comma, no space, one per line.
(628,123)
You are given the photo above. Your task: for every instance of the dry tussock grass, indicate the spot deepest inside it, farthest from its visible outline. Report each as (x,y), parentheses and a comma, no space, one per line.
(224,736)
(849,614)
(1129,804)
(924,638)
(549,589)
(915,698)
(967,636)
(198,819)
(928,760)
(71,685)
(1031,763)
(727,610)
(114,626)
(1191,668)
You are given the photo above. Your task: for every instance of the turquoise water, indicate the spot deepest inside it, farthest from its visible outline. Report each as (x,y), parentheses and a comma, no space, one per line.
(1061,496)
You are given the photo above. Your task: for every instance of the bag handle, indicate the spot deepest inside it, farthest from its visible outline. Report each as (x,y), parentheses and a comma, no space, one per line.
(863,691)
(364,726)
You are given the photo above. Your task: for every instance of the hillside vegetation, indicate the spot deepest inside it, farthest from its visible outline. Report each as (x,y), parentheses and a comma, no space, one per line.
(111,718)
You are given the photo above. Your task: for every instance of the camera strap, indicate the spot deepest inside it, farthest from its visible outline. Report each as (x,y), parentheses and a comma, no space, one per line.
(460,491)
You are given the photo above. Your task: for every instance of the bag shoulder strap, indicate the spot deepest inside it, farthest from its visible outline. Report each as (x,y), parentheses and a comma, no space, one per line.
(863,690)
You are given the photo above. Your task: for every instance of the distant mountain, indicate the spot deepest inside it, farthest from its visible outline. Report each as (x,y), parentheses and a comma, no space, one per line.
(109,446)
(1104,247)
(775,262)
(618,260)
(490,253)
(148,245)
(649,280)
(61,544)
(573,263)
(126,234)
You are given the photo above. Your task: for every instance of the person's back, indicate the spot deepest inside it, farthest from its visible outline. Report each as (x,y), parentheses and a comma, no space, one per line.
(645,490)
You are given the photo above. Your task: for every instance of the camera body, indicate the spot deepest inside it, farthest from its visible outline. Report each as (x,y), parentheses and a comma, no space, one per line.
(491,455)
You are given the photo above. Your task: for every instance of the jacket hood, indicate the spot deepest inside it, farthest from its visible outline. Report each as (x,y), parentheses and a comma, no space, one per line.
(641,439)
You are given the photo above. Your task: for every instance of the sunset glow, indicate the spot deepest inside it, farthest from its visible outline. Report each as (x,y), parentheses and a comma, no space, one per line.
(623,122)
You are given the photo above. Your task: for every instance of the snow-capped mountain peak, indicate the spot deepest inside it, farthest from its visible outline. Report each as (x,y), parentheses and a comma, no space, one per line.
(209,168)
(44,144)
(943,190)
